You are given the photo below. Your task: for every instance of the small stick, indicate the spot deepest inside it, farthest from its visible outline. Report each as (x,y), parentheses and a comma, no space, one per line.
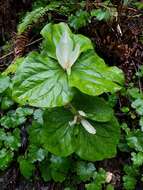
(12,52)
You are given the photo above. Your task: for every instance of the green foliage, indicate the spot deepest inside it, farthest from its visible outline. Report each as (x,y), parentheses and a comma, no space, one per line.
(138,5)
(10,142)
(101,14)
(36,153)
(71,123)
(34,16)
(14,119)
(39,3)
(99,180)
(141,123)
(26,167)
(79,20)
(85,170)
(110,187)
(59,168)
(45,170)
(39,92)
(138,105)
(4,83)
(95,108)
(6,103)
(135,140)
(42,8)
(41,79)
(137,158)
(137,101)
(13,66)
(5,158)
(130,179)
(57,78)
(62,138)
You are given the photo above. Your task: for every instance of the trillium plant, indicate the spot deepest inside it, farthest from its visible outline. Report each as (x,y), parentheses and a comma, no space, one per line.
(65,80)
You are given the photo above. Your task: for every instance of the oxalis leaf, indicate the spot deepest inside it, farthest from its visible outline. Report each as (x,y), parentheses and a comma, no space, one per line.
(62,139)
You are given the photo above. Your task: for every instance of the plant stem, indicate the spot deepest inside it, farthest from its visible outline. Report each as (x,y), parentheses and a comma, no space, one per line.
(71,108)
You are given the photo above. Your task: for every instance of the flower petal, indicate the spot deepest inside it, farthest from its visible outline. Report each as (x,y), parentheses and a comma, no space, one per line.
(88,127)
(64,50)
(74,55)
(82,113)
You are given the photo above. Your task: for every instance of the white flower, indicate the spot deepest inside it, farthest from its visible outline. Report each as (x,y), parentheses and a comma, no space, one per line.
(71,123)
(82,113)
(88,127)
(65,53)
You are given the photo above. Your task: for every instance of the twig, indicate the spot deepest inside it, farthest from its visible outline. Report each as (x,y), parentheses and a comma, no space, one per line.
(12,52)
(4,56)
(34,42)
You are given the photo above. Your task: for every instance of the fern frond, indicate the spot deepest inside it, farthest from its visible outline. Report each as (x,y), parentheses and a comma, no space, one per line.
(34,16)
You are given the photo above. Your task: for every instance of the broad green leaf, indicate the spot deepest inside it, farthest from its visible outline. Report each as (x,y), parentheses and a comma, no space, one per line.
(91,76)
(62,139)
(58,135)
(40,82)
(4,83)
(95,108)
(52,34)
(102,144)
(85,170)
(26,167)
